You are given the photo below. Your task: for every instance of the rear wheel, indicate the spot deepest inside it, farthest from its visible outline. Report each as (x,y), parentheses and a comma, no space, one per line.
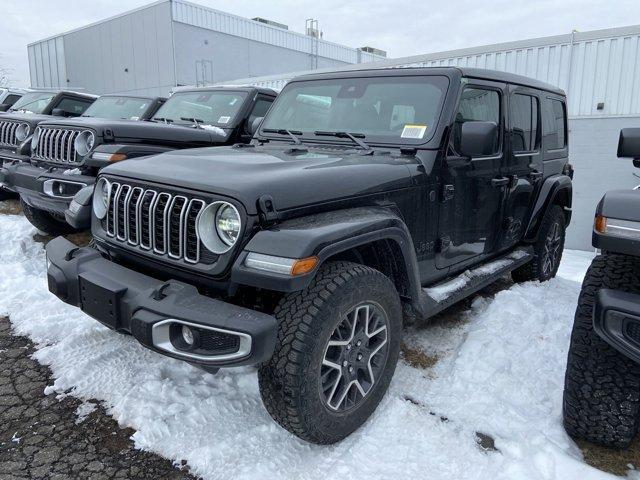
(547,249)
(337,349)
(46,222)
(602,387)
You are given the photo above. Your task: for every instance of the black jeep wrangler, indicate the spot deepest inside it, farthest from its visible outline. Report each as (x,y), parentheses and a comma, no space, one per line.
(189,118)
(19,122)
(602,382)
(365,197)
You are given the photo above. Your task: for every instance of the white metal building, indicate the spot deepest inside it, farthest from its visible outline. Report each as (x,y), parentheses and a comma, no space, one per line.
(599,70)
(175,42)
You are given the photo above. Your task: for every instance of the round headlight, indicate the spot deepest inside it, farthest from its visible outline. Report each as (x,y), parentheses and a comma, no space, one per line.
(101,197)
(22,132)
(219,227)
(35,139)
(84,142)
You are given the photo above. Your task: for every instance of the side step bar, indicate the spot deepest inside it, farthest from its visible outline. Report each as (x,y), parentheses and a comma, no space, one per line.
(443,295)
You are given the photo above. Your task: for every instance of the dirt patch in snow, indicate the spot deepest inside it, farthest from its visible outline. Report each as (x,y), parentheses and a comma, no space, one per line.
(417,358)
(10,207)
(618,462)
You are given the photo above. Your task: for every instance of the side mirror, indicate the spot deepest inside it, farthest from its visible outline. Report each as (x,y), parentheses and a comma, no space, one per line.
(255,125)
(4,107)
(478,138)
(629,144)
(58,112)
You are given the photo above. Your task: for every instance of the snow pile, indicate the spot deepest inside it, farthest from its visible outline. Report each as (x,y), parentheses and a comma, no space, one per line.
(500,372)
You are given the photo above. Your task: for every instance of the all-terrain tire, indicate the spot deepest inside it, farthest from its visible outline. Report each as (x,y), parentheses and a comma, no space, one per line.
(290,382)
(602,387)
(45,222)
(535,269)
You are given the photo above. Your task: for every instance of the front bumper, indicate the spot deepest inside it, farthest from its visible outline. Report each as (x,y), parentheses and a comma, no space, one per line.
(154,312)
(7,159)
(40,187)
(616,318)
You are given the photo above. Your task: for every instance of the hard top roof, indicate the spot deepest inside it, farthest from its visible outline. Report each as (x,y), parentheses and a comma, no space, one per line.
(478,73)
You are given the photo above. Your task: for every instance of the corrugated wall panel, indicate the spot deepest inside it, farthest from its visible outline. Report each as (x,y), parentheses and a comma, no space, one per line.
(592,67)
(211,19)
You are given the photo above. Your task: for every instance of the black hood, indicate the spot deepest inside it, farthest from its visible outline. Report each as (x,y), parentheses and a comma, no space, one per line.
(293,178)
(126,130)
(32,119)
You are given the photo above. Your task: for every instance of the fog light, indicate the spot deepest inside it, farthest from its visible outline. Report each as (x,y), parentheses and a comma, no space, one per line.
(187,336)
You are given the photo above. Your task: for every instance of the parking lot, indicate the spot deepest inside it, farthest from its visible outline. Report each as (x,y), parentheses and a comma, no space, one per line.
(477,395)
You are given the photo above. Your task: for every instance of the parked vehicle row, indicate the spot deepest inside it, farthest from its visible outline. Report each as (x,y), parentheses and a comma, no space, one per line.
(48,157)
(364,198)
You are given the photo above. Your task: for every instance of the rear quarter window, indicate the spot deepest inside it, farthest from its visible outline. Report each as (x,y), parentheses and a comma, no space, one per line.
(554,124)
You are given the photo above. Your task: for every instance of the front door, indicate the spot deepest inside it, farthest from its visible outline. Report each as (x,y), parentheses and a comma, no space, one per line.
(471,199)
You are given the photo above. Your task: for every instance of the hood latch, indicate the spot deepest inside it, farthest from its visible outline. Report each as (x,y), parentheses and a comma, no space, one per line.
(267,210)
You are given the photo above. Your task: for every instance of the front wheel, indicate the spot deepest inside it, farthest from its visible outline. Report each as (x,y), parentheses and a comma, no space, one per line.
(602,386)
(337,349)
(46,222)
(547,249)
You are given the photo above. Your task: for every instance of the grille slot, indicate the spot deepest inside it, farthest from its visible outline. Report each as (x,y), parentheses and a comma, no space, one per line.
(8,134)
(56,145)
(157,221)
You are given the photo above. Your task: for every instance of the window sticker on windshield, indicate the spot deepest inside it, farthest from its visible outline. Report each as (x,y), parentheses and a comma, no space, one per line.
(224,119)
(413,131)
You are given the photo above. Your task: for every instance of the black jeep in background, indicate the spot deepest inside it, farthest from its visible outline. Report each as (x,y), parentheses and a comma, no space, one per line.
(602,382)
(365,197)
(19,122)
(195,117)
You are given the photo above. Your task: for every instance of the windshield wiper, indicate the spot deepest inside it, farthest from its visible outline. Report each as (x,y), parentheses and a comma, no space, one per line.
(354,137)
(197,121)
(282,131)
(163,119)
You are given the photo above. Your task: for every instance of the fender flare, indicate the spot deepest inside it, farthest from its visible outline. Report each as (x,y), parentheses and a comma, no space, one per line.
(550,190)
(325,235)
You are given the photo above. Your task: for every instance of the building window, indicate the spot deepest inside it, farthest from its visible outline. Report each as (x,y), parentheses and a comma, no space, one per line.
(523,113)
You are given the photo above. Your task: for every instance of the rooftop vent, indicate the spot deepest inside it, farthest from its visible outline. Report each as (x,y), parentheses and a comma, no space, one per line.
(375,51)
(270,22)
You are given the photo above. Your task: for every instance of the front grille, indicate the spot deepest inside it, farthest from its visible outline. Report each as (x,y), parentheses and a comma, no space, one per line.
(8,134)
(633,331)
(155,221)
(56,145)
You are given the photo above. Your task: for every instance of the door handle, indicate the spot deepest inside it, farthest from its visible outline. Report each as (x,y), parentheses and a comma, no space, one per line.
(500,182)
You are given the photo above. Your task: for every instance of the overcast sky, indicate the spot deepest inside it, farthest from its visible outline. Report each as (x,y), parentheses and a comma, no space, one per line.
(401,28)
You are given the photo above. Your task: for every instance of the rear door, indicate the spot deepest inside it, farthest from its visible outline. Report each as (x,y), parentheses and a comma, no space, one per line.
(523,162)
(471,200)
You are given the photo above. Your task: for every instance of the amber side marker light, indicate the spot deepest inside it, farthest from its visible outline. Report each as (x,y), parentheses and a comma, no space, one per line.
(304,265)
(281,265)
(600,224)
(109,157)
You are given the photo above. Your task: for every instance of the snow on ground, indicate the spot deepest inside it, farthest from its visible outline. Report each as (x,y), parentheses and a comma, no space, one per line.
(500,372)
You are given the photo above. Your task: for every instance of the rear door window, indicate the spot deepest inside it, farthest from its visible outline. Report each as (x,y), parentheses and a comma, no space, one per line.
(523,112)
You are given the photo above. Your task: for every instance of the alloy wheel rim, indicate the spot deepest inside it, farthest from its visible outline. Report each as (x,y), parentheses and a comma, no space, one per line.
(551,250)
(354,357)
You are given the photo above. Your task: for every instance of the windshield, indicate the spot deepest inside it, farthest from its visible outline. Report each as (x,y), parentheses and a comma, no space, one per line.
(207,108)
(34,102)
(127,108)
(385,109)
